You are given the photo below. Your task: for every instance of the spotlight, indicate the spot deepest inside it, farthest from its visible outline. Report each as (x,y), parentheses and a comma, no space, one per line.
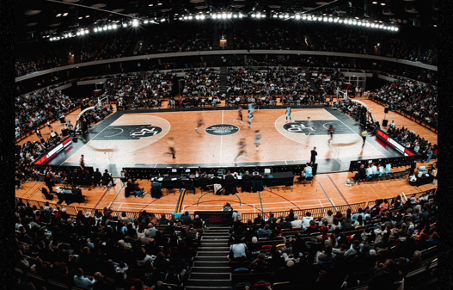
(95,29)
(124,24)
(115,26)
(135,23)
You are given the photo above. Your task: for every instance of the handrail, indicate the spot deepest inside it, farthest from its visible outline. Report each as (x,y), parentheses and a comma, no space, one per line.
(315,212)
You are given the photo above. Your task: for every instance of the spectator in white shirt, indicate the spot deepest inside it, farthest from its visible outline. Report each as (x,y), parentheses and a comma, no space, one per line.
(296,223)
(306,220)
(83,282)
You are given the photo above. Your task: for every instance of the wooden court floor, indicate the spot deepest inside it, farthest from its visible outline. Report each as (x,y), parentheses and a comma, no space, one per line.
(327,189)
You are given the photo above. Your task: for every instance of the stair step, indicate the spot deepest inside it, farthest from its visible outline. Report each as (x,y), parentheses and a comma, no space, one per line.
(211,258)
(212,253)
(218,228)
(223,263)
(204,238)
(222,233)
(214,244)
(212,282)
(210,276)
(220,248)
(210,269)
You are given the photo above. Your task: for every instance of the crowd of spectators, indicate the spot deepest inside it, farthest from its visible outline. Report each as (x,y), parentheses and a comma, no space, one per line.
(38,62)
(27,154)
(414,142)
(277,38)
(266,39)
(105,48)
(201,82)
(378,245)
(36,108)
(293,85)
(410,50)
(179,41)
(412,97)
(132,91)
(341,42)
(102,251)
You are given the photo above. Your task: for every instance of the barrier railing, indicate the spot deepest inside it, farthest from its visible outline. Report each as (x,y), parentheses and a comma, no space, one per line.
(315,212)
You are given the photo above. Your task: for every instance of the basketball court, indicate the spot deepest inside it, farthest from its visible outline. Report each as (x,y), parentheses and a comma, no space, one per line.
(138,139)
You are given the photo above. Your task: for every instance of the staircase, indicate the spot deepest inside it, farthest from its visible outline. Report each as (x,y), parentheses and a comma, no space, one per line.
(211,268)
(223,80)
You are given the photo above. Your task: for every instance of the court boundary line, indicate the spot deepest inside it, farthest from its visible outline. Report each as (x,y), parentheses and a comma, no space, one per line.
(36,182)
(39,187)
(108,188)
(326,194)
(374,191)
(153,201)
(283,198)
(116,196)
(342,196)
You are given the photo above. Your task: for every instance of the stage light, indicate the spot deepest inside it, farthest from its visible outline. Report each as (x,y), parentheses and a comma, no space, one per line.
(95,29)
(135,23)
(229,16)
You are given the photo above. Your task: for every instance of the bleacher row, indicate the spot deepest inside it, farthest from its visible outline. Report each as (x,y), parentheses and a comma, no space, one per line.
(260,246)
(135,273)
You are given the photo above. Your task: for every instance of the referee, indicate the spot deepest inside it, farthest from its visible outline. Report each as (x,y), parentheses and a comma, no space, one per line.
(364,133)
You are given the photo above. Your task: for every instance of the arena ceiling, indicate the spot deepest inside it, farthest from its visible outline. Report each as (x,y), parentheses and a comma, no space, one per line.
(36,19)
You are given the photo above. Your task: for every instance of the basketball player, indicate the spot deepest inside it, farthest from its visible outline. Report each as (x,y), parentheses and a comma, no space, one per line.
(82,162)
(241,145)
(171,146)
(240,113)
(250,118)
(257,139)
(200,122)
(310,125)
(49,125)
(288,114)
(330,131)
(250,105)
